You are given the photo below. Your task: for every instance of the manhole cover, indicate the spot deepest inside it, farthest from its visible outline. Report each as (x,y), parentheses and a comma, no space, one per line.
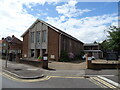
(17,69)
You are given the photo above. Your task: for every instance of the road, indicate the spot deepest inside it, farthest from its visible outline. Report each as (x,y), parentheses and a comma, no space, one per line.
(54,82)
(50,83)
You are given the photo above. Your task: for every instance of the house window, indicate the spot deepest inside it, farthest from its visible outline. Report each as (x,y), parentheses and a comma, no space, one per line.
(32,52)
(64,44)
(0,45)
(32,37)
(43,36)
(4,44)
(38,36)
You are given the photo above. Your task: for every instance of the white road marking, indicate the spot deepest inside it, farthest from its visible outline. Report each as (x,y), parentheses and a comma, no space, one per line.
(33,69)
(110,81)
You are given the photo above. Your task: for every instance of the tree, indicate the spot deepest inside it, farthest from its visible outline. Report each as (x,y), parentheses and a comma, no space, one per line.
(113,41)
(114,38)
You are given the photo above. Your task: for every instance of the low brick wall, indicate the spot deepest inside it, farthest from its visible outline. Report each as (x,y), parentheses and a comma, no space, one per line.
(104,66)
(31,62)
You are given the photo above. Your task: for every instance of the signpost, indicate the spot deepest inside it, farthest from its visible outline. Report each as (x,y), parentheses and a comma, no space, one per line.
(45,61)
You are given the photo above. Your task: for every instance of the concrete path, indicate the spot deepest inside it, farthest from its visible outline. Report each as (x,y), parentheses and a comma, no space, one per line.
(67,65)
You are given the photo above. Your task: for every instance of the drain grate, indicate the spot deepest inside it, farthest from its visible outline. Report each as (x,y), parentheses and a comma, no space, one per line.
(17,69)
(86,77)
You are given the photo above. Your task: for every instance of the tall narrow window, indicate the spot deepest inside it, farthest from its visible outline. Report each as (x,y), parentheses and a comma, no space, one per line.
(43,36)
(38,36)
(32,37)
(32,52)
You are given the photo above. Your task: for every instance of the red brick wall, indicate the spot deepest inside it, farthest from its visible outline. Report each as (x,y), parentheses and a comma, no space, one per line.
(75,47)
(25,44)
(53,44)
(16,47)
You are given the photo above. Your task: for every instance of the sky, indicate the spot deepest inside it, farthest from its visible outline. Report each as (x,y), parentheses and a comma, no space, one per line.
(86,21)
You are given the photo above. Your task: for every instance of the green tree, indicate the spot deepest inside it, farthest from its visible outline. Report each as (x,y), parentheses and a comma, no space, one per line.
(113,41)
(114,38)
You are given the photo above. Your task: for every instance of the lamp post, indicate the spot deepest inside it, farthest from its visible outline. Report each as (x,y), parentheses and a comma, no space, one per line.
(7,55)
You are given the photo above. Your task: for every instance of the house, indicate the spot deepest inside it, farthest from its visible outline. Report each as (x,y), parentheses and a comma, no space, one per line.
(0,48)
(11,45)
(42,37)
(95,49)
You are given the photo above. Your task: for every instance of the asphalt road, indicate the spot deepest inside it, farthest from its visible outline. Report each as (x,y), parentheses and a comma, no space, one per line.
(51,83)
(114,78)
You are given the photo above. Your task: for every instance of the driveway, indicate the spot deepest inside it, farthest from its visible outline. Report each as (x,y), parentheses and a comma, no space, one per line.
(76,65)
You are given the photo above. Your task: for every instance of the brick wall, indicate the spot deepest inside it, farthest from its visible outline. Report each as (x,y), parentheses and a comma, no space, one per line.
(25,44)
(70,45)
(53,44)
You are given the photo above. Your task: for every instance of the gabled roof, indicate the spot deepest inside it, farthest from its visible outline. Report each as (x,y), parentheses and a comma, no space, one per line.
(54,28)
(90,44)
(13,39)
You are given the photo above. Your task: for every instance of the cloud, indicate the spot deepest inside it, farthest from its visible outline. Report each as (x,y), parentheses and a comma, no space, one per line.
(88,29)
(70,10)
(14,19)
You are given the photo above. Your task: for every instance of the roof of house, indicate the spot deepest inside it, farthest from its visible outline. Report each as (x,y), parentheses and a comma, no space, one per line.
(90,44)
(13,39)
(54,28)
(92,50)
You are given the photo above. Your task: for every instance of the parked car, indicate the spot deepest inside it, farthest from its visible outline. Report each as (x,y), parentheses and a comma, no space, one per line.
(84,57)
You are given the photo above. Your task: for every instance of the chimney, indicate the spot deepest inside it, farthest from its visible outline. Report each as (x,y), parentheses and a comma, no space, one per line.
(2,38)
(13,36)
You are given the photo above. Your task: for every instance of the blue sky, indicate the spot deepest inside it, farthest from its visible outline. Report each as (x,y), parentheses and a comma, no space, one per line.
(87,21)
(98,8)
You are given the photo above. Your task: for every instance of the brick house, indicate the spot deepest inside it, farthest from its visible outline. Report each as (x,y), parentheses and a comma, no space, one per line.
(1,47)
(11,45)
(95,49)
(42,37)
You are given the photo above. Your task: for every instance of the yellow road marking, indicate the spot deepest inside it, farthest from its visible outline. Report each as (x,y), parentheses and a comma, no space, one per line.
(64,77)
(104,82)
(33,80)
(24,80)
(97,83)
(48,77)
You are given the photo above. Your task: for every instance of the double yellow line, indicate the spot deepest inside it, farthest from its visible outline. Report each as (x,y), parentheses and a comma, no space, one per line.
(24,80)
(34,80)
(107,85)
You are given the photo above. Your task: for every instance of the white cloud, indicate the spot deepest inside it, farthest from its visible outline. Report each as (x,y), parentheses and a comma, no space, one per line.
(70,9)
(88,29)
(14,19)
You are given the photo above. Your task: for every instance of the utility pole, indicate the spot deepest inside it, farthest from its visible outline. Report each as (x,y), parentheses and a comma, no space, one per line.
(7,55)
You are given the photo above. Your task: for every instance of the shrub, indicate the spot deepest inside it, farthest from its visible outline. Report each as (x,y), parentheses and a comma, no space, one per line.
(39,57)
(64,56)
(79,56)
(71,56)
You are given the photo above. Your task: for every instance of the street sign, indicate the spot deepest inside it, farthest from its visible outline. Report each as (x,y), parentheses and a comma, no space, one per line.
(89,58)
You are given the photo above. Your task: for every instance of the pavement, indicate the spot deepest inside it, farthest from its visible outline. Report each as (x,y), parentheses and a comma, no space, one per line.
(22,71)
(74,69)
(25,71)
